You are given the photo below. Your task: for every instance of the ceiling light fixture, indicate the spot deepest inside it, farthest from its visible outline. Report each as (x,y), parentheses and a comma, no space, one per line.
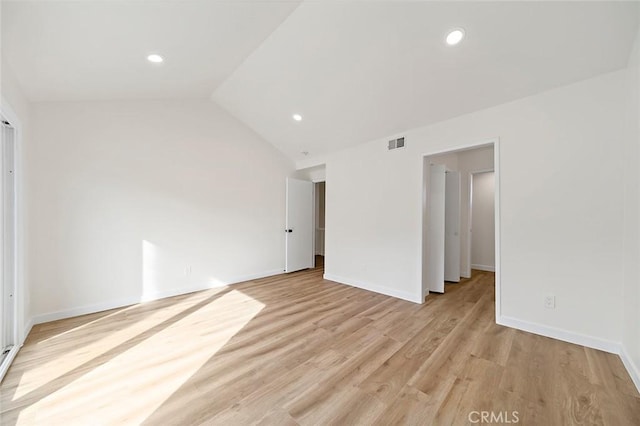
(455,36)
(297,117)
(155,58)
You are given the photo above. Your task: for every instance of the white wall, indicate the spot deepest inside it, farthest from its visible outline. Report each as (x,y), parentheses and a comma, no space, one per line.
(483,223)
(557,237)
(449,160)
(470,161)
(313,174)
(126,196)
(631,335)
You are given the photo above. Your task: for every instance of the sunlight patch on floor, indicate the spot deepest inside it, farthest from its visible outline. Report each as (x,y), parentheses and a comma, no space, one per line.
(154,368)
(83,326)
(43,373)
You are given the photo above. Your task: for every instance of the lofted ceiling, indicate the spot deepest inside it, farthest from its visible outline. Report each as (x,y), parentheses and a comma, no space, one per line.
(95,50)
(357,71)
(354,70)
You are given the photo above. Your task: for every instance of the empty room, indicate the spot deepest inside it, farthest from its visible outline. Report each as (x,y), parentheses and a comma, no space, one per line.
(287,212)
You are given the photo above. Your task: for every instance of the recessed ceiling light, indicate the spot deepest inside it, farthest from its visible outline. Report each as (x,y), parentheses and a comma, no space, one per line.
(455,36)
(156,59)
(297,117)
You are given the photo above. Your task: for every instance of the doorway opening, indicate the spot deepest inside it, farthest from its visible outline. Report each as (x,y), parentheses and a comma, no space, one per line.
(460,216)
(319,223)
(305,219)
(8,297)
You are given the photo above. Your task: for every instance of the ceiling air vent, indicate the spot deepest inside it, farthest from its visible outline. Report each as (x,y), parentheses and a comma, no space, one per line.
(396,143)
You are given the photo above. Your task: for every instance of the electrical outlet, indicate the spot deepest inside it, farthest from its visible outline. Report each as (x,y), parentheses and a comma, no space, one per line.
(187,270)
(550,302)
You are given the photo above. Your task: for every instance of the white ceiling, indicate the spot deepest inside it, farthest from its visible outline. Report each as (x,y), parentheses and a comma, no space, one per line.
(92,50)
(355,70)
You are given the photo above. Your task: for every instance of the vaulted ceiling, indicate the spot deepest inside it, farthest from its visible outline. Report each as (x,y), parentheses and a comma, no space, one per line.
(95,50)
(355,70)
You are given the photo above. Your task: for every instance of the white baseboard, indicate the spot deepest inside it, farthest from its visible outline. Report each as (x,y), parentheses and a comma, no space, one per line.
(559,334)
(415,298)
(484,268)
(84,310)
(578,339)
(632,368)
(256,276)
(121,303)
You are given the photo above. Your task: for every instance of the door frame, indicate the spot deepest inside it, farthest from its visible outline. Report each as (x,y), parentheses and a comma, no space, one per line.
(20,330)
(315,213)
(495,142)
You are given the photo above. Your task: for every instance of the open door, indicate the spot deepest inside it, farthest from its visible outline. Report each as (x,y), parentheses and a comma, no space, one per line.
(436,221)
(299,225)
(452,227)
(7,246)
(4,330)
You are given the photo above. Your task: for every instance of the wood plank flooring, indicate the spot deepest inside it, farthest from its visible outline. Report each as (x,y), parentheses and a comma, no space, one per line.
(296,349)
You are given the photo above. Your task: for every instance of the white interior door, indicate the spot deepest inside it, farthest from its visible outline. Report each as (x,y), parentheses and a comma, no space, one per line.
(7,247)
(299,225)
(4,336)
(452,227)
(436,234)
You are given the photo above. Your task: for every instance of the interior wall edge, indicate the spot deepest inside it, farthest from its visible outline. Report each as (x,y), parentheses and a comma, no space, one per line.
(632,368)
(387,291)
(27,329)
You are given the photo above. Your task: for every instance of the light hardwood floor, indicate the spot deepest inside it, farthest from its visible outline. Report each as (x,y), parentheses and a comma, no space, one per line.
(297,349)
